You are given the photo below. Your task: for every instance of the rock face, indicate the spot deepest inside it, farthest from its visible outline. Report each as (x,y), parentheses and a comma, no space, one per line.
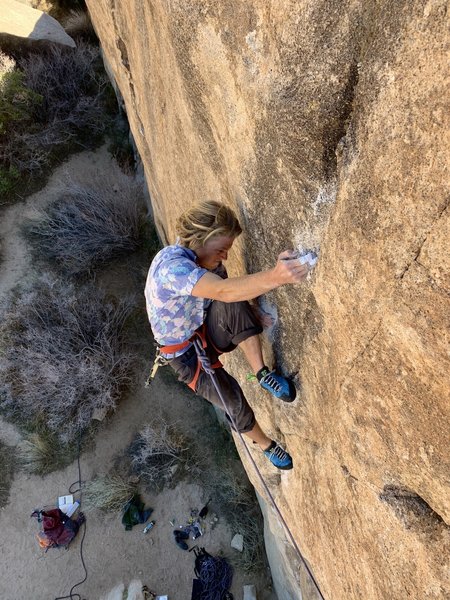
(324,124)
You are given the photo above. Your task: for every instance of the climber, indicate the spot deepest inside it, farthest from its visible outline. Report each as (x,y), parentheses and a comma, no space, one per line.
(188,294)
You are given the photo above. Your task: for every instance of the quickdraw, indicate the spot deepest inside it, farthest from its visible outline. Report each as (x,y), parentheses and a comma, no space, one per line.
(160,361)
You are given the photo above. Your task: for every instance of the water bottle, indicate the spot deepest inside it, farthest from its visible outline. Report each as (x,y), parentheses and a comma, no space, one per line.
(149,526)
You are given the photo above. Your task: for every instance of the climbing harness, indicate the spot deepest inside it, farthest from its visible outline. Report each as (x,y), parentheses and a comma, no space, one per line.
(209,369)
(164,352)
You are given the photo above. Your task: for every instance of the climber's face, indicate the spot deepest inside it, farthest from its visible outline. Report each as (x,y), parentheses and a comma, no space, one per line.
(214,251)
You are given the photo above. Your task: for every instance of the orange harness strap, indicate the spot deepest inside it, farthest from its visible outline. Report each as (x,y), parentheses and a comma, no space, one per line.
(174,347)
(201,333)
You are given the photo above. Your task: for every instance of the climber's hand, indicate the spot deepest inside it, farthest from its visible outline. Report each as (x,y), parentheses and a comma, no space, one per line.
(288,268)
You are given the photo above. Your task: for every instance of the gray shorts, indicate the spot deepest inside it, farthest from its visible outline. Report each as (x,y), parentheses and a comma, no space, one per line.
(227,325)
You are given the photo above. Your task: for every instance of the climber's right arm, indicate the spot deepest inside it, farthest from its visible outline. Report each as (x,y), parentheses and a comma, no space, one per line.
(247,287)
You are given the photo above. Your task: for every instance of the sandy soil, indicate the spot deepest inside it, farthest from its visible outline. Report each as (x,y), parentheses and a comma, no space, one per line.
(112,555)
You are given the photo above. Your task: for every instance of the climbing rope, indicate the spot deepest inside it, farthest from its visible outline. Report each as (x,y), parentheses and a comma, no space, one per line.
(206,365)
(215,575)
(71,595)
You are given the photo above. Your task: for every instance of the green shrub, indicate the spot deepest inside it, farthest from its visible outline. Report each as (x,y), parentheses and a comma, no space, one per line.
(17,105)
(8,179)
(54,102)
(17,102)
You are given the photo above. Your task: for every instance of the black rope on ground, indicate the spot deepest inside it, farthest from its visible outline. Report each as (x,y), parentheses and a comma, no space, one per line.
(71,595)
(206,365)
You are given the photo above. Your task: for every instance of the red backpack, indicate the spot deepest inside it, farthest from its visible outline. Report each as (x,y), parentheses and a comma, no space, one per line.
(58,530)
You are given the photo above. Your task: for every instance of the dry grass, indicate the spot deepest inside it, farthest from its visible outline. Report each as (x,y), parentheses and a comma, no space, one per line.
(42,452)
(214,464)
(109,493)
(6,472)
(226,482)
(233,490)
(62,356)
(88,227)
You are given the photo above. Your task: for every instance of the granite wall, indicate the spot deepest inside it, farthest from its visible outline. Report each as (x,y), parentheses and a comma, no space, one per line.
(324,123)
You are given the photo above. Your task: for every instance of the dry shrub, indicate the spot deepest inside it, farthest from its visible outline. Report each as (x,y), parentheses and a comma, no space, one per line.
(23,153)
(88,227)
(108,493)
(62,77)
(31,151)
(63,356)
(72,85)
(158,450)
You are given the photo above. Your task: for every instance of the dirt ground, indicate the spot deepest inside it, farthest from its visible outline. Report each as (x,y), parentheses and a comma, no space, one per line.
(112,555)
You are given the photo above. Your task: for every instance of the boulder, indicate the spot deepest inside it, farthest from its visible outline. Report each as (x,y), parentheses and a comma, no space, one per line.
(20,20)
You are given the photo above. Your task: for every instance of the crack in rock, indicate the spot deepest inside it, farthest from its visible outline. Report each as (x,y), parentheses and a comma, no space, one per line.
(358,357)
(419,250)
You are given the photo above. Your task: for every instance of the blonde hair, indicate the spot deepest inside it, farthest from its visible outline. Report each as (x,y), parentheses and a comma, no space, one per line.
(205,220)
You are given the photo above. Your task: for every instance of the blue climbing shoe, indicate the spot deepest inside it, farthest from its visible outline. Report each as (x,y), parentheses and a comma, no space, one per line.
(279,457)
(276,384)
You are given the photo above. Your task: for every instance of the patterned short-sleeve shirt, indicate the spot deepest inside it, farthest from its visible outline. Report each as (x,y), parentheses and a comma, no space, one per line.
(174,314)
